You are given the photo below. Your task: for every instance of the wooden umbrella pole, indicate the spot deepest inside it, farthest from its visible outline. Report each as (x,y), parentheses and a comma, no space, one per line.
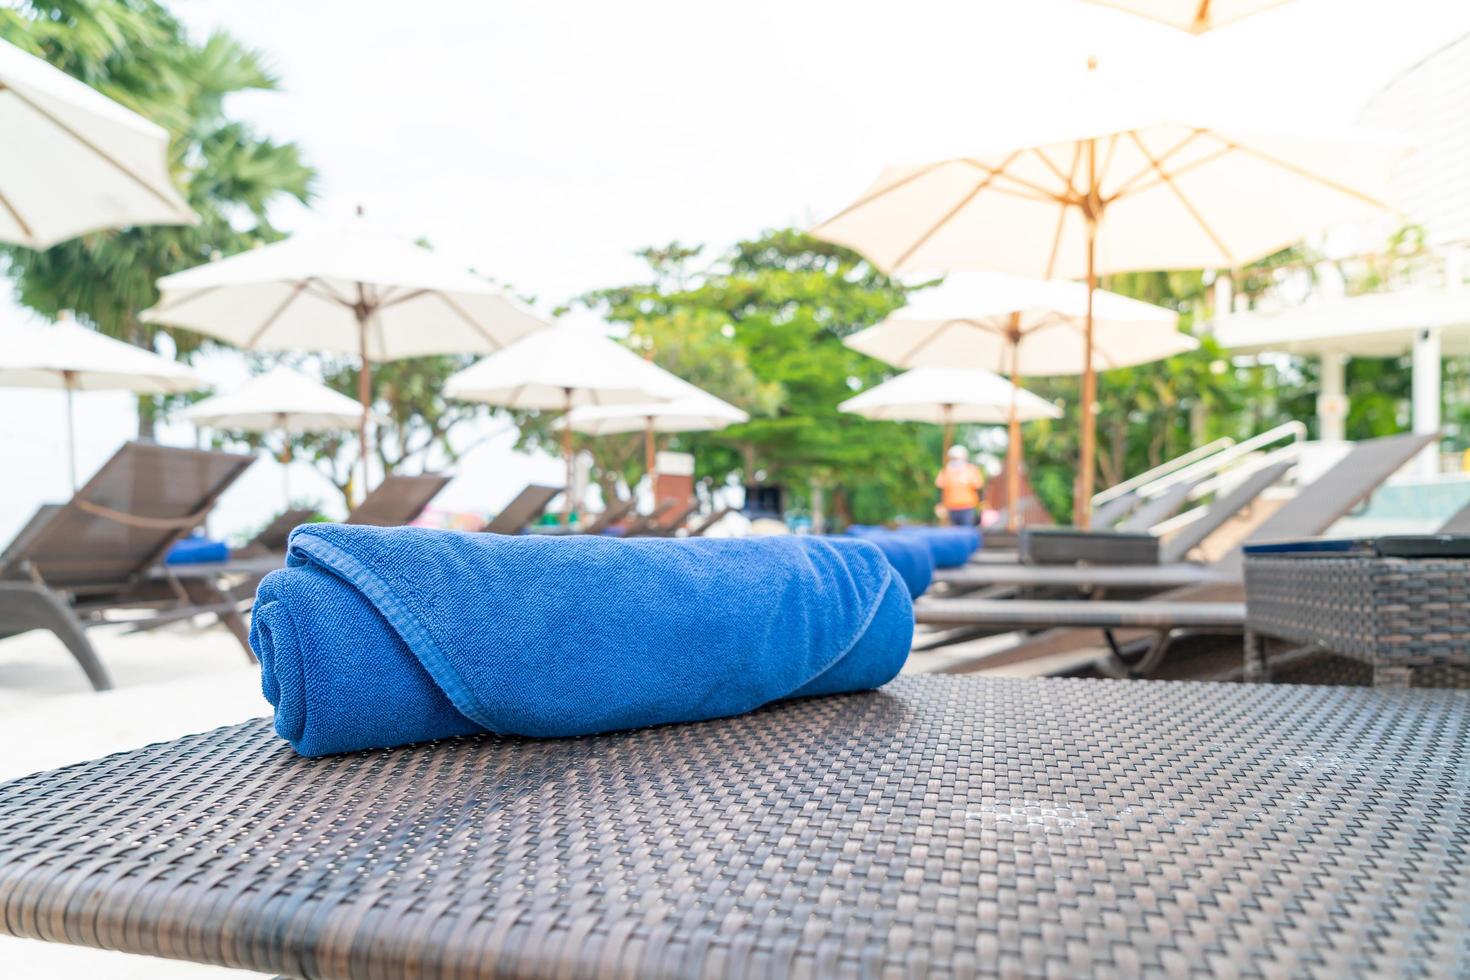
(1013,446)
(948,411)
(650,450)
(1087,455)
(566,448)
(364,389)
(70,380)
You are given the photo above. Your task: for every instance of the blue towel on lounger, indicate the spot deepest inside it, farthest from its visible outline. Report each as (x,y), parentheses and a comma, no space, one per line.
(376,637)
(910,557)
(195,549)
(950,546)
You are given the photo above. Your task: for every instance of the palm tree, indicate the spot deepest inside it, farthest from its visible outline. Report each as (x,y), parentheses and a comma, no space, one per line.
(136,52)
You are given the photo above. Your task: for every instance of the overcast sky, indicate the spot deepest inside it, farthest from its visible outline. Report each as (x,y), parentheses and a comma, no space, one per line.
(543,142)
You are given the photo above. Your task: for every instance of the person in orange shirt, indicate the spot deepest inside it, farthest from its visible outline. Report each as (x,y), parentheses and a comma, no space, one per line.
(960,483)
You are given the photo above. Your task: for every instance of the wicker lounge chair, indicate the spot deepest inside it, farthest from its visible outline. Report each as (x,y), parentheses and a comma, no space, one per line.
(397,500)
(75,561)
(941,826)
(1315,509)
(528,505)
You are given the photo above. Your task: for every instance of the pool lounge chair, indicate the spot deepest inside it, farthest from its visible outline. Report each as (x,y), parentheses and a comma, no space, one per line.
(610,515)
(1310,513)
(666,520)
(527,506)
(940,826)
(648,523)
(272,537)
(398,500)
(96,553)
(704,526)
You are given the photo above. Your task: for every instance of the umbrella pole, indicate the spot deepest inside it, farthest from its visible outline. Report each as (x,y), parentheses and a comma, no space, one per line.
(650,450)
(1082,499)
(566,448)
(948,435)
(1013,446)
(364,395)
(71,432)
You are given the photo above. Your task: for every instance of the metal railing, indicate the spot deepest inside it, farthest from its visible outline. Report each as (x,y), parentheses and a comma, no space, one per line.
(1218,463)
(1162,470)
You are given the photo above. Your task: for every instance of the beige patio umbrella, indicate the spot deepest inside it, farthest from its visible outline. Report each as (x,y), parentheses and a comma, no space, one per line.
(73,358)
(947,395)
(1194,16)
(344,288)
(74,160)
(562,368)
(693,411)
(1113,179)
(1022,328)
(281,400)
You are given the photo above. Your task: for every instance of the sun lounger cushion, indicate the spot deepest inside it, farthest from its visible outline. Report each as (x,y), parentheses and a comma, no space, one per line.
(373,637)
(910,558)
(195,549)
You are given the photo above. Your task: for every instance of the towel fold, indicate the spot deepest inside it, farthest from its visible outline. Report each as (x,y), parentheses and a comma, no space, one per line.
(374,637)
(911,558)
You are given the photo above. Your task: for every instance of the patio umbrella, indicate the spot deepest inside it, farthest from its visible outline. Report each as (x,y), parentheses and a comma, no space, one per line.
(73,358)
(1023,328)
(567,366)
(694,411)
(74,160)
(1110,180)
(1194,16)
(281,400)
(344,289)
(946,395)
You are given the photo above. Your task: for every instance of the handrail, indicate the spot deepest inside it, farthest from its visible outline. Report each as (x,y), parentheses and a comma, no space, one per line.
(1214,464)
(1163,469)
(1291,450)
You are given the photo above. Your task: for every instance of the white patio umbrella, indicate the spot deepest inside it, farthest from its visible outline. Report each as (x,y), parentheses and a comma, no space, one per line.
(1194,16)
(344,289)
(570,365)
(73,358)
(694,411)
(281,400)
(75,160)
(1023,328)
(1113,179)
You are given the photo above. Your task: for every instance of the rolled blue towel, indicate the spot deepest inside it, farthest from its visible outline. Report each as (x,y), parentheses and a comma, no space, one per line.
(910,557)
(196,549)
(374,637)
(950,546)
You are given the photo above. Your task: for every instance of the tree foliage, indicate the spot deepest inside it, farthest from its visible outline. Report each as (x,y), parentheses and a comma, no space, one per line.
(137,53)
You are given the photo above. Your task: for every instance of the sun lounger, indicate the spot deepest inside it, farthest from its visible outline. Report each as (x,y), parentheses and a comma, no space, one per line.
(665,522)
(528,505)
(398,500)
(1160,508)
(610,515)
(1311,512)
(272,537)
(649,523)
(939,826)
(73,562)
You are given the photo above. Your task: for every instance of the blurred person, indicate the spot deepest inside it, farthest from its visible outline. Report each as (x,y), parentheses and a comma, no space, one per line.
(960,484)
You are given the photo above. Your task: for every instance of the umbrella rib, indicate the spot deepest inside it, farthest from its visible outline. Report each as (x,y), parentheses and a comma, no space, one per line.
(1194,164)
(1107,163)
(106,157)
(326,292)
(459,311)
(882,191)
(270,321)
(1188,204)
(171,307)
(945,218)
(1127,186)
(25,227)
(1306,174)
(1056,242)
(1001,173)
(404,298)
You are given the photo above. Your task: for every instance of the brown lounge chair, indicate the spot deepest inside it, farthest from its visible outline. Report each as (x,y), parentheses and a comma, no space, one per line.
(610,516)
(939,826)
(528,505)
(703,527)
(666,520)
(397,500)
(1179,589)
(75,561)
(272,537)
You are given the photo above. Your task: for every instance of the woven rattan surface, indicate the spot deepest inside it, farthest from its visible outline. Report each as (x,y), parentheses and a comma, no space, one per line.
(1393,612)
(945,827)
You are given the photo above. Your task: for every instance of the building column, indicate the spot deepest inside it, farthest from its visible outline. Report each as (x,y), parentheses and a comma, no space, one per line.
(1426,395)
(1332,402)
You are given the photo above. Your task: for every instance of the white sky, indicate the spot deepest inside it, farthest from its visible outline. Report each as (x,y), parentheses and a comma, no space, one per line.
(544,142)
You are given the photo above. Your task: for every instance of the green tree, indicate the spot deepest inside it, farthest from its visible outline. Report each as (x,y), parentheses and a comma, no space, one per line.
(137,53)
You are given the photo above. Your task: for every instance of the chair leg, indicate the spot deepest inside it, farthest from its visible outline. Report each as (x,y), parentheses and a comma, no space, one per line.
(30,607)
(205,593)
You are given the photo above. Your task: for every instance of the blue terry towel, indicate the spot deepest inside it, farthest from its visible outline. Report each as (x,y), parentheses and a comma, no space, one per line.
(376,637)
(911,558)
(950,546)
(195,549)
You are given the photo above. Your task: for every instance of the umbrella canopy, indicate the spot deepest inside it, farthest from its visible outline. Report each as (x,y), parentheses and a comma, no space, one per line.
(74,160)
(1025,327)
(569,365)
(344,289)
(694,411)
(1194,16)
(281,400)
(943,396)
(1111,180)
(73,358)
